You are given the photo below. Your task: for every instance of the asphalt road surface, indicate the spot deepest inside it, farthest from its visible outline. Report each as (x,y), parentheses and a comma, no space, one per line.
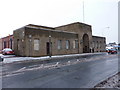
(78,73)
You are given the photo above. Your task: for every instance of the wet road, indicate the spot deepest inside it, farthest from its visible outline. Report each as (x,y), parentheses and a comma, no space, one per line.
(69,75)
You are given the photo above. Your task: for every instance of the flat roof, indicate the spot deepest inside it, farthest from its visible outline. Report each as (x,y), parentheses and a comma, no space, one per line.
(47,29)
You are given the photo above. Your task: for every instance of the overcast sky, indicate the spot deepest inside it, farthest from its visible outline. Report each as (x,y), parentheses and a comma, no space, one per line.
(101,14)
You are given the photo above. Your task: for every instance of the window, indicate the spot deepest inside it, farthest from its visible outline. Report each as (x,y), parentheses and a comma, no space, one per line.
(104,41)
(67,44)
(100,44)
(75,44)
(11,43)
(97,45)
(36,44)
(59,44)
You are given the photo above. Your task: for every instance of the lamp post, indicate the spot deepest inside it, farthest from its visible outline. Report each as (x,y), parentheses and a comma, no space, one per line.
(83,12)
(50,46)
(104,29)
(30,40)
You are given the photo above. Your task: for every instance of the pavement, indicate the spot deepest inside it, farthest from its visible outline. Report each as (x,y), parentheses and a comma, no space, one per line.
(13,58)
(71,73)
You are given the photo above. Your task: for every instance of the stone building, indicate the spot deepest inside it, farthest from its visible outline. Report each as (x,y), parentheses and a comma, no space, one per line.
(35,40)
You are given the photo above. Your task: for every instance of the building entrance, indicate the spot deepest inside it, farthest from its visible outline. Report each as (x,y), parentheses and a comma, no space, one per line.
(48,48)
(86,44)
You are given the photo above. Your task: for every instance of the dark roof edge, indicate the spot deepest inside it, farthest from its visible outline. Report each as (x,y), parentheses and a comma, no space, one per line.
(98,36)
(40,26)
(52,30)
(73,23)
(7,36)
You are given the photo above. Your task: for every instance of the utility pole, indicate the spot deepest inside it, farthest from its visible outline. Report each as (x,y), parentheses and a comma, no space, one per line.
(83,12)
(104,30)
(50,49)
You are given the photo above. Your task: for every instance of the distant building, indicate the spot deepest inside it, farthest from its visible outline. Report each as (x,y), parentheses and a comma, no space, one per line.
(99,43)
(6,42)
(111,44)
(74,38)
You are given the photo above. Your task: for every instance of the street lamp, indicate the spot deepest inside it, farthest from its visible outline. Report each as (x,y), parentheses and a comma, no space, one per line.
(49,45)
(83,12)
(30,40)
(104,29)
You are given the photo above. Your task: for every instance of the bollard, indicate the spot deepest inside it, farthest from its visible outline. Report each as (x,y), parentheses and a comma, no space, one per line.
(68,62)
(42,65)
(77,60)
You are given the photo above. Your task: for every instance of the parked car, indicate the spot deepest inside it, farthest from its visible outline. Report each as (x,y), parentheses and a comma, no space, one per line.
(112,51)
(107,50)
(7,51)
(1,58)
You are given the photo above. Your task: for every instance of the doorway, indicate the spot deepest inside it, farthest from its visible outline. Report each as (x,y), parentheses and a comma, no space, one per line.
(48,48)
(86,48)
